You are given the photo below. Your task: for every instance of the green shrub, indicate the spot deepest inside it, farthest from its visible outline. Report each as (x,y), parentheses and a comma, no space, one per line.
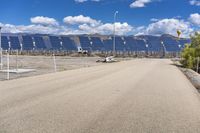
(191,52)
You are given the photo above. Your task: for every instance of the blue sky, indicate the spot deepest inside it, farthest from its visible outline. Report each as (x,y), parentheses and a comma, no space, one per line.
(96,16)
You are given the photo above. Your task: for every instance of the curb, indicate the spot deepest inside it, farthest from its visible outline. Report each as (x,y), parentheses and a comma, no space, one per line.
(193,76)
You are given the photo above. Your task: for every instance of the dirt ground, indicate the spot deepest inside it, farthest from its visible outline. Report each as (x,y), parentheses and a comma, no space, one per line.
(45,64)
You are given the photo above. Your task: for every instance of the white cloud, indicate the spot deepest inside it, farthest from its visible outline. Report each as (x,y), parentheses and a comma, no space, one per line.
(44,20)
(77,25)
(107,28)
(87,25)
(169,26)
(195,19)
(73,20)
(8,28)
(140,3)
(195,2)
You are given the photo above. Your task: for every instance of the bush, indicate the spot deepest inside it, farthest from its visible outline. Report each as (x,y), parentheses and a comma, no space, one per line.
(191,52)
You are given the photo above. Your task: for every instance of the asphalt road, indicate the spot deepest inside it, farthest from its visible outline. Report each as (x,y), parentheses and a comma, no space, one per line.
(139,96)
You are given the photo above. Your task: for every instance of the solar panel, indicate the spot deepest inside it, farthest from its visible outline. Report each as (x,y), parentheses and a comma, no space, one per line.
(119,44)
(97,44)
(127,43)
(55,42)
(39,42)
(108,44)
(170,44)
(183,42)
(131,43)
(140,45)
(154,43)
(68,44)
(27,43)
(85,43)
(15,43)
(4,43)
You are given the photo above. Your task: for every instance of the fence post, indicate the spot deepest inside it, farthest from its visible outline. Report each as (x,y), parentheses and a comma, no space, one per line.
(17,66)
(54,61)
(8,66)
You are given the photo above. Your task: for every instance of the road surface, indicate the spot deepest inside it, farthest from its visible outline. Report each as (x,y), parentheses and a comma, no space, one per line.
(137,96)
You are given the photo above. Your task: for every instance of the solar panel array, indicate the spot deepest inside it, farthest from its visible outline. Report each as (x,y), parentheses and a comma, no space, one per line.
(92,43)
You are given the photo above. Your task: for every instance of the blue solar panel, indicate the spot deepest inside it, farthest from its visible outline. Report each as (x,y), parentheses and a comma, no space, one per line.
(27,43)
(128,43)
(132,43)
(154,43)
(140,45)
(183,42)
(97,44)
(108,44)
(39,42)
(85,43)
(68,44)
(120,44)
(55,42)
(15,43)
(4,43)
(171,45)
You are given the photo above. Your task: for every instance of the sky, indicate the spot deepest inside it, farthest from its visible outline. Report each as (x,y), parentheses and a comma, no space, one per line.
(135,17)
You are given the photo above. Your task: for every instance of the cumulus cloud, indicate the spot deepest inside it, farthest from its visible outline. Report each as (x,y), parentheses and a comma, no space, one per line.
(75,25)
(44,20)
(87,25)
(107,28)
(74,20)
(195,19)
(33,29)
(195,2)
(169,26)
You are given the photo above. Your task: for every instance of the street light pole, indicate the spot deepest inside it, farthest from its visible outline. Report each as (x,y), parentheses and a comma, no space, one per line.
(114,41)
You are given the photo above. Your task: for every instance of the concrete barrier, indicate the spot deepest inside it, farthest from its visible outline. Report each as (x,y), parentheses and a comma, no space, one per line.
(193,76)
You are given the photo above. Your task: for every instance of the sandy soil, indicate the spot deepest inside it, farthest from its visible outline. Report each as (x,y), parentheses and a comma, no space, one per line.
(45,64)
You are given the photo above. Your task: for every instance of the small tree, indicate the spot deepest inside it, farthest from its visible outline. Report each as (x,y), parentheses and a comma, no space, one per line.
(191,52)
(188,55)
(195,40)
